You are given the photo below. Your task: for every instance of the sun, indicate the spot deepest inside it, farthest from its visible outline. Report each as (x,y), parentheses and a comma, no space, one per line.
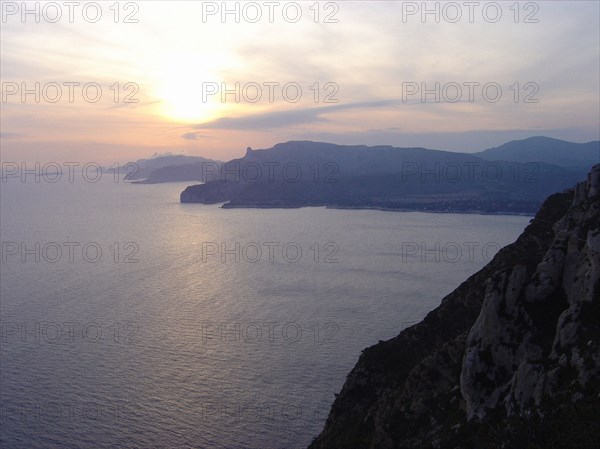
(183,89)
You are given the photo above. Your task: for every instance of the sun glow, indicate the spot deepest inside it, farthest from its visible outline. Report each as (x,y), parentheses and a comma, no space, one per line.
(182,90)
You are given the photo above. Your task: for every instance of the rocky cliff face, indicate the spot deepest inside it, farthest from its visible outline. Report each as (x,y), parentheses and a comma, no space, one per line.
(510,359)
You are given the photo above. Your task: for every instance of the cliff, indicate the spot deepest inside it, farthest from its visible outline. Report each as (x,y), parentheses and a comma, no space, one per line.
(510,359)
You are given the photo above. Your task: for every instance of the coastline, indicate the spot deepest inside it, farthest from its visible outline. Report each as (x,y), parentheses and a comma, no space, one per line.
(376,208)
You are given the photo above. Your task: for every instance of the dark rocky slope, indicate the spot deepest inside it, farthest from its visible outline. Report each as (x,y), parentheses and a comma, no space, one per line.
(510,359)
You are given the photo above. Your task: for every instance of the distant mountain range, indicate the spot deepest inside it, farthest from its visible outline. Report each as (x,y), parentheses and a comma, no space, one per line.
(513,178)
(171,168)
(552,151)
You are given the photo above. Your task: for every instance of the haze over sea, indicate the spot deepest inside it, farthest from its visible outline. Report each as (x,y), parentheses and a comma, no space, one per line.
(162,343)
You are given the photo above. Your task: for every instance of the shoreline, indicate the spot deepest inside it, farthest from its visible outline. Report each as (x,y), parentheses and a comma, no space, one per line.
(376,208)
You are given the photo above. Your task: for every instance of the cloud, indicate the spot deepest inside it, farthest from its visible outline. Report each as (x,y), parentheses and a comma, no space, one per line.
(392,128)
(279,119)
(368,54)
(194,136)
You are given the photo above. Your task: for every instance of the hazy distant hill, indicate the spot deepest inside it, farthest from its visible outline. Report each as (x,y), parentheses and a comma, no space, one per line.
(545,149)
(165,167)
(196,171)
(296,174)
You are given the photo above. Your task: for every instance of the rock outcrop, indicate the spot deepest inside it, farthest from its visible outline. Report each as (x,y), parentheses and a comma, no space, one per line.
(510,359)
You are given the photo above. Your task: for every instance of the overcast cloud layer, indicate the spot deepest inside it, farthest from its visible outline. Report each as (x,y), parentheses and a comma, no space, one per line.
(367,66)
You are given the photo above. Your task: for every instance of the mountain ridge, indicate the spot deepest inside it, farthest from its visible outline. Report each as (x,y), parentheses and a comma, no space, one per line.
(540,148)
(305,173)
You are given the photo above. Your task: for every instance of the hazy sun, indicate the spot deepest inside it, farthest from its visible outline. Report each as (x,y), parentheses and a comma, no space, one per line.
(181,89)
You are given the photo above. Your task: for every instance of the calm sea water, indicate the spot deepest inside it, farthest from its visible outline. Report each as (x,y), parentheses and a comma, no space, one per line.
(131,324)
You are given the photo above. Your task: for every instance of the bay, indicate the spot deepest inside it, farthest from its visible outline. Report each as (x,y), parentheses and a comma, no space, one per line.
(131,320)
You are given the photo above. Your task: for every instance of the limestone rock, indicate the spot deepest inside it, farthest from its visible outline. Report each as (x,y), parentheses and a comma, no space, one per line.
(511,358)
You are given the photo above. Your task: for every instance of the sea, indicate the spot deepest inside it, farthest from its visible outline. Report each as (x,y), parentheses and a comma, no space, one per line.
(130,320)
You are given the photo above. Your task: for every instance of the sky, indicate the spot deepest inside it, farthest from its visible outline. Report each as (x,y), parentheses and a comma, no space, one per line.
(118,81)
